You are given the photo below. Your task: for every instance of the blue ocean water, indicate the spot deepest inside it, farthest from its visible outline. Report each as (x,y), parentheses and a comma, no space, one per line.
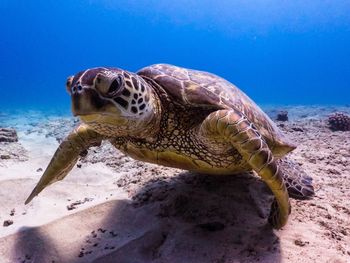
(278,52)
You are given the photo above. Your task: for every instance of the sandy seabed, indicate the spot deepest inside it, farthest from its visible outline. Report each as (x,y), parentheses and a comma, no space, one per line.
(111,208)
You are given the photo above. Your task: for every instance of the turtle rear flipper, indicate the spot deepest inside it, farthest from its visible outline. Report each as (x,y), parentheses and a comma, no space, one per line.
(298,183)
(235,128)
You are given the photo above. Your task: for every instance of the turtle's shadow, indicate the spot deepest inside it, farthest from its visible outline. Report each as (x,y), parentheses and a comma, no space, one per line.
(33,246)
(200,218)
(185,218)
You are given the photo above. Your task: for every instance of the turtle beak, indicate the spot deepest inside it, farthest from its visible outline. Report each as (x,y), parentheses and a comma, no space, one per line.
(86,101)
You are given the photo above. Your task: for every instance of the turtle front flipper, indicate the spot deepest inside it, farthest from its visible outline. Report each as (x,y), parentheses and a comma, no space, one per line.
(233,127)
(298,183)
(66,156)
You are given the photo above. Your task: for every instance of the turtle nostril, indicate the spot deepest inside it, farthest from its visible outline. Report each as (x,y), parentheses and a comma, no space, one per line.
(77,89)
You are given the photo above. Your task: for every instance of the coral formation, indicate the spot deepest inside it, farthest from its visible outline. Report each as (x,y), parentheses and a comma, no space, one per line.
(339,122)
(282,116)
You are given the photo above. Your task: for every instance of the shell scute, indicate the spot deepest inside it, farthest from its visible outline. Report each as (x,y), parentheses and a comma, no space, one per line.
(200,95)
(180,74)
(173,86)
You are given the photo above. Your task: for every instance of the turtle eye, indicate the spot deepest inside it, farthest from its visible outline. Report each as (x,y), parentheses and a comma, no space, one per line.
(98,79)
(107,85)
(115,87)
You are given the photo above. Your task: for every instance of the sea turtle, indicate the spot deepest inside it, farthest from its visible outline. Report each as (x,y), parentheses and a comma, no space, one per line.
(182,118)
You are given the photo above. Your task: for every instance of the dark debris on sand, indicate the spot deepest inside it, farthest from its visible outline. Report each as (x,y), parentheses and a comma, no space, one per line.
(97,240)
(7,223)
(74,205)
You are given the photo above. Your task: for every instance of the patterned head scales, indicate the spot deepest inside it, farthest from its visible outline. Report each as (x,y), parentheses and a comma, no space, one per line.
(97,90)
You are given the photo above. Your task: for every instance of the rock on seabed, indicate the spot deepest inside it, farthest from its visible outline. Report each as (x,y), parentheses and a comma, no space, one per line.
(8,135)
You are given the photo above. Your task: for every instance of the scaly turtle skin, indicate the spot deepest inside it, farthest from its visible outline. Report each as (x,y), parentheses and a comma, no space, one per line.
(181,118)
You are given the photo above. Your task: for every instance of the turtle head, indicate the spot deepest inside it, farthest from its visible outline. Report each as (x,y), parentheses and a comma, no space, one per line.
(112,101)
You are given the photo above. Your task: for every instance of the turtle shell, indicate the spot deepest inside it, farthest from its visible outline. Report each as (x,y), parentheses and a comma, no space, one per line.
(195,88)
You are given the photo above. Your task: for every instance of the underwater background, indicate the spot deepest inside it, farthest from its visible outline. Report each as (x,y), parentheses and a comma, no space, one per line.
(291,57)
(278,52)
